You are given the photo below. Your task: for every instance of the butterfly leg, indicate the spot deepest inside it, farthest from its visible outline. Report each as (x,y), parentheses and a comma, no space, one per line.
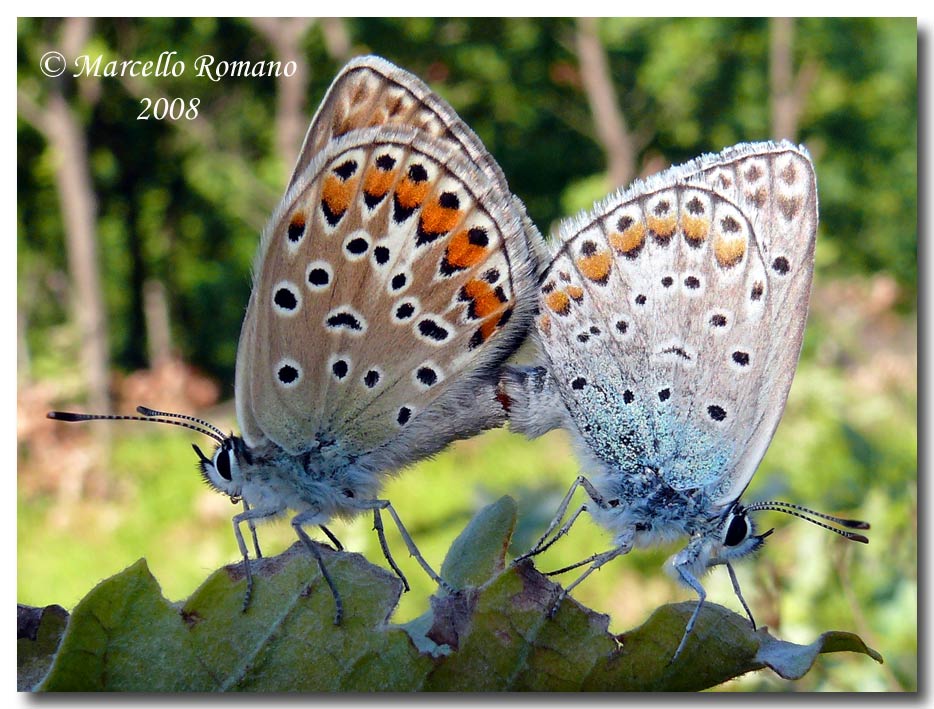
(595,561)
(381,535)
(691,581)
(249,515)
(330,535)
(540,545)
(297,522)
(739,594)
(259,554)
(413,550)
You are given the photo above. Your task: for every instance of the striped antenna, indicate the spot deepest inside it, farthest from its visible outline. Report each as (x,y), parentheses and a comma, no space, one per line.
(808,515)
(186,422)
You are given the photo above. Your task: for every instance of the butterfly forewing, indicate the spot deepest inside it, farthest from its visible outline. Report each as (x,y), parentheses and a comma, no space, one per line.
(391,270)
(667,290)
(371,92)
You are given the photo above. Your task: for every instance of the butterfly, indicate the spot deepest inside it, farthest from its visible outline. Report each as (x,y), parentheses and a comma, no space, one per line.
(391,282)
(671,322)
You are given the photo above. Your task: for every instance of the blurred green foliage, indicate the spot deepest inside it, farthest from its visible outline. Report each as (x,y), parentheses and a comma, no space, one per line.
(184,204)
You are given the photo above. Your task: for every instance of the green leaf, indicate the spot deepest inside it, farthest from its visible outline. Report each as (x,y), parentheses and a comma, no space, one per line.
(124,636)
(479,551)
(38,634)
(496,633)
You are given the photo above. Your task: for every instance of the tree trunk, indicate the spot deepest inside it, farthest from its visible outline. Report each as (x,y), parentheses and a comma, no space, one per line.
(781,70)
(608,118)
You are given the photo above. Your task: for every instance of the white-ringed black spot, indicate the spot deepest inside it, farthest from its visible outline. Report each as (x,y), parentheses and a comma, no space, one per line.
(594,330)
(622,326)
(491,276)
(715,412)
(398,281)
(285,299)
(757,290)
(371,379)
(340,369)
(662,208)
(318,277)
(346,169)
(405,413)
(381,255)
(667,281)
(426,376)
(404,311)
(345,319)
(449,200)
(692,282)
(385,162)
(579,383)
(477,236)
(357,246)
(780,265)
(583,337)
(418,173)
(741,358)
(628,397)
(432,330)
(288,374)
(664,394)
(718,320)
(640,299)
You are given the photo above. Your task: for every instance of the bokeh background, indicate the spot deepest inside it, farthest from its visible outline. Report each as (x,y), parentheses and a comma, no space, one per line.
(135,240)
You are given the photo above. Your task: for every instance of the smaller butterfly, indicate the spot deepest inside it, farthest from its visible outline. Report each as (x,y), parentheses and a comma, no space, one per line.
(392,281)
(671,324)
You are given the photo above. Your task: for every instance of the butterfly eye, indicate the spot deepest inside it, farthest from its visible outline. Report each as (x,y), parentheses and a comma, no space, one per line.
(222,463)
(737,531)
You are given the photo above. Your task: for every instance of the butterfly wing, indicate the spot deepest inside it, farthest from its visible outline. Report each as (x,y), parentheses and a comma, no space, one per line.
(776,184)
(395,275)
(660,312)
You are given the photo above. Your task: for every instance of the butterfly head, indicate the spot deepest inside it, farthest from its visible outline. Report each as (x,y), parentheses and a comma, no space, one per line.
(737,531)
(737,536)
(224,470)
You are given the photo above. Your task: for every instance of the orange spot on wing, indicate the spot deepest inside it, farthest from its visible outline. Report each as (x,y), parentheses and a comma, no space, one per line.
(695,228)
(576,293)
(485,299)
(377,182)
(411,194)
(728,251)
(436,219)
(662,226)
(337,193)
(461,253)
(630,240)
(558,302)
(596,267)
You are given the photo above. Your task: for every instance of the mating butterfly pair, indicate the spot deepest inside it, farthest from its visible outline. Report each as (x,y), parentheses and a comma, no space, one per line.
(399,273)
